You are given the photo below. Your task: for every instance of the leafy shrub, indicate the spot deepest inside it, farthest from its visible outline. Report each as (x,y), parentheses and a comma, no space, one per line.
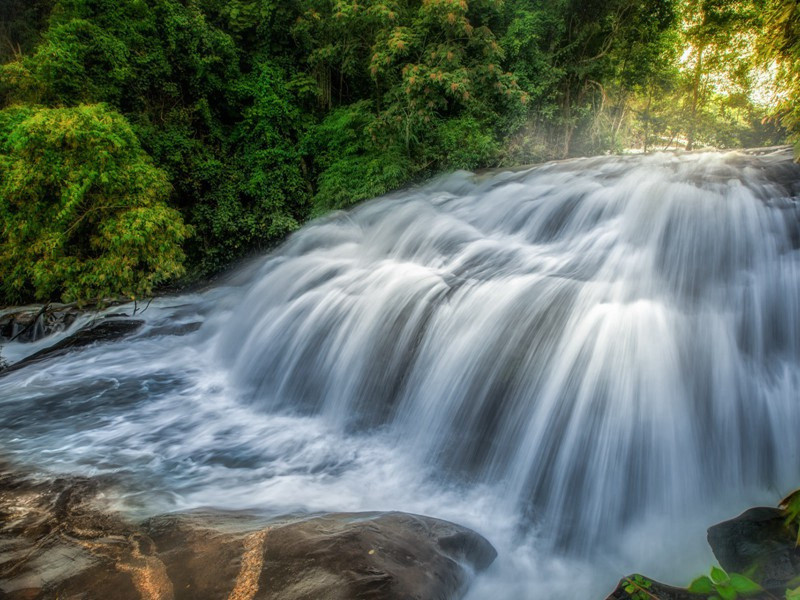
(354,163)
(465,143)
(83,208)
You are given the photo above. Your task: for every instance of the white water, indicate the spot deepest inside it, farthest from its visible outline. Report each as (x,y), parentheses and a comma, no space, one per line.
(588,362)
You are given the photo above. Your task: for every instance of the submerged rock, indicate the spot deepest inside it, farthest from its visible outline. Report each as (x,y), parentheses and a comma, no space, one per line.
(58,540)
(758,542)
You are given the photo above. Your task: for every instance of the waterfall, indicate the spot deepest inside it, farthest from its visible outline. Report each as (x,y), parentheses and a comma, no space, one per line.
(562,353)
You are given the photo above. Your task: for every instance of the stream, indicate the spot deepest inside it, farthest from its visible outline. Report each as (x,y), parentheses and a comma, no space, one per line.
(588,362)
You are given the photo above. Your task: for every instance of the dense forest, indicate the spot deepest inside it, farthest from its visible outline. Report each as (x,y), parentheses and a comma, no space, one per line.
(147,141)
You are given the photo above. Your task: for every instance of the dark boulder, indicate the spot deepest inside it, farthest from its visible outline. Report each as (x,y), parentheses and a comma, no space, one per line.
(758,542)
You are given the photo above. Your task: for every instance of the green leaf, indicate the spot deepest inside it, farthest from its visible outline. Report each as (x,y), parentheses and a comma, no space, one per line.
(718,575)
(744,585)
(701,585)
(727,592)
(793,594)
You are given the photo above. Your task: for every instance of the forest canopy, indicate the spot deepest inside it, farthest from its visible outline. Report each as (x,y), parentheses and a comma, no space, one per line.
(142,140)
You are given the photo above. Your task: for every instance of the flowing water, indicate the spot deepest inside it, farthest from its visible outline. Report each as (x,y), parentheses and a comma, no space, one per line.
(588,362)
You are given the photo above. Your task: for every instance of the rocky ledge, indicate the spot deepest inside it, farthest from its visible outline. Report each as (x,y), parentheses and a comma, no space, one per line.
(105,329)
(34,322)
(58,540)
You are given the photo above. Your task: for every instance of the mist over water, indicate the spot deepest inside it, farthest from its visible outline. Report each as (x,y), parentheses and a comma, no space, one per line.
(589,362)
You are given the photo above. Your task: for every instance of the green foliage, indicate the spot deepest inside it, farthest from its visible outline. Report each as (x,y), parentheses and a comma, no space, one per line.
(779,44)
(266,194)
(638,587)
(465,143)
(412,64)
(21,25)
(258,114)
(724,586)
(354,164)
(83,208)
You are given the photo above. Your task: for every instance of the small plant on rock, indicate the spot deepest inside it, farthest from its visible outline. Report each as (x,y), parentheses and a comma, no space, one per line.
(724,586)
(638,587)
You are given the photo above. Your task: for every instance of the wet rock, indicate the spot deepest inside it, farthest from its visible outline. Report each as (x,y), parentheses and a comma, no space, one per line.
(59,540)
(32,323)
(757,539)
(176,329)
(104,330)
(336,556)
(640,587)
(46,532)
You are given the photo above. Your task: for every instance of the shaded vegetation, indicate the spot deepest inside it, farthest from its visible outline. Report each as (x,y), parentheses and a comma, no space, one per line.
(237,120)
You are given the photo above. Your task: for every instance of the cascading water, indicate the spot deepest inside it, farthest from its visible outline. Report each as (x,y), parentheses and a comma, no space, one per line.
(588,362)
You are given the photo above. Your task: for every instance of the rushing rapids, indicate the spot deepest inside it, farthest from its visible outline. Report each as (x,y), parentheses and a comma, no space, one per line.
(576,360)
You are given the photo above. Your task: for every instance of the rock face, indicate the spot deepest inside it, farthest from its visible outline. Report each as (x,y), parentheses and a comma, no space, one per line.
(104,330)
(31,323)
(58,541)
(757,539)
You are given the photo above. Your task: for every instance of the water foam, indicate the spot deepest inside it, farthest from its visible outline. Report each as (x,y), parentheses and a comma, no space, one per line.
(588,362)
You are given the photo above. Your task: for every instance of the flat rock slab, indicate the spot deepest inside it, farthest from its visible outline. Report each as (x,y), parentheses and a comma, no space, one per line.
(757,542)
(58,541)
